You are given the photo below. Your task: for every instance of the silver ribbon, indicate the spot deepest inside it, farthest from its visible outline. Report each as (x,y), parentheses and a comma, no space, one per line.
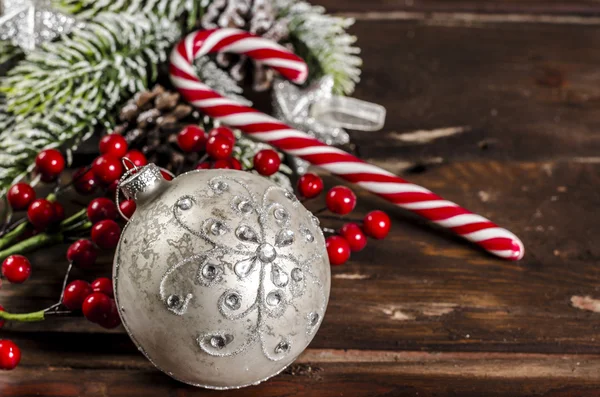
(323,115)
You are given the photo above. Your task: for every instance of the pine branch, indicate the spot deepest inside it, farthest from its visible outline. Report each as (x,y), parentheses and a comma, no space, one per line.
(170,9)
(8,51)
(322,40)
(64,89)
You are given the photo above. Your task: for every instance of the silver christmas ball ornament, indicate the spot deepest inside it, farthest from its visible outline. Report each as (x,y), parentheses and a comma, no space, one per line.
(221,277)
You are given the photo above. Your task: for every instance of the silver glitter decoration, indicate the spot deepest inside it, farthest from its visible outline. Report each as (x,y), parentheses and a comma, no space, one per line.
(218,228)
(292,105)
(173,301)
(297,274)
(240,278)
(246,233)
(308,236)
(284,238)
(282,347)
(278,276)
(313,319)
(281,215)
(209,271)
(266,253)
(28,23)
(274,298)
(184,204)
(244,268)
(233,300)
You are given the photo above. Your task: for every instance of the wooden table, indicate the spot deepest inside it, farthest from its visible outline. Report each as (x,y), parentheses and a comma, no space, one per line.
(491,103)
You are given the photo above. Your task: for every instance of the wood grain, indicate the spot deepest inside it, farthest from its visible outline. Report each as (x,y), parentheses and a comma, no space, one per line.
(577,7)
(500,117)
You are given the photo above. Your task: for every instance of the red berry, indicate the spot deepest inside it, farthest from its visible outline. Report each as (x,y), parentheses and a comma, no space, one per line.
(354,236)
(113,144)
(16,269)
(310,185)
(75,294)
(112,319)
(101,208)
(1,321)
(127,207)
(50,162)
(219,147)
(84,181)
(138,158)
(377,224)
(112,189)
(205,165)
(267,162)
(40,213)
(82,253)
(191,139)
(20,195)
(106,234)
(222,164)
(235,164)
(96,307)
(338,250)
(10,355)
(107,168)
(59,212)
(340,200)
(103,285)
(166,175)
(223,132)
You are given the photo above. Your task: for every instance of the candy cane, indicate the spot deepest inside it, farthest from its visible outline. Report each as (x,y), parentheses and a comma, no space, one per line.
(263,127)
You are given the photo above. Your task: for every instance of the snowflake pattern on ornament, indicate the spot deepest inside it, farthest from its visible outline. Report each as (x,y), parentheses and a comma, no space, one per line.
(265,260)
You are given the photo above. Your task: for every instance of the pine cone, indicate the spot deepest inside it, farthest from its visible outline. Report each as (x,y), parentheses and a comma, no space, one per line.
(254,16)
(151,121)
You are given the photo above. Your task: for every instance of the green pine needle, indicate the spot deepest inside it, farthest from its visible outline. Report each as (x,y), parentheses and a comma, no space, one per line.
(321,39)
(77,82)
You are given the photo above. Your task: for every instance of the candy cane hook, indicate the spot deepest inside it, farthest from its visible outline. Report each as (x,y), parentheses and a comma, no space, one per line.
(263,127)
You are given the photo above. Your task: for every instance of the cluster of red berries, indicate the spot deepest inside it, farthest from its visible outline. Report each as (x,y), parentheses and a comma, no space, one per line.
(218,145)
(107,168)
(41,212)
(352,236)
(95,300)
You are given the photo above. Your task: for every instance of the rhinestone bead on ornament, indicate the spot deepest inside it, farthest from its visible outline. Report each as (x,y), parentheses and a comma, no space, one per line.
(221,277)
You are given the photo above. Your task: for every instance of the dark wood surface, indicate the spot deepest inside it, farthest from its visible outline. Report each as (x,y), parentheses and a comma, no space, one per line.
(495,112)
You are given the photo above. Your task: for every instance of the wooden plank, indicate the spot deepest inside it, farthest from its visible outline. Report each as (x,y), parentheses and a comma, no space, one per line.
(499,91)
(582,7)
(334,373)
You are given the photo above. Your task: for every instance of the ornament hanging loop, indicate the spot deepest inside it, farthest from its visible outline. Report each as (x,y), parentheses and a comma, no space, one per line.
(128,171)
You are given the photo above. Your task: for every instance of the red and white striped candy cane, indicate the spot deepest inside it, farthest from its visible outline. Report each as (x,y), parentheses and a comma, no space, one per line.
(263,127)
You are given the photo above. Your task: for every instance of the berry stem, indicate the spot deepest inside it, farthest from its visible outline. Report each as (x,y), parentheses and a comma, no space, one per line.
(23,317)
(11,236)
(74,218)
(32,244)
(81,225)
(340,218)
(317,212)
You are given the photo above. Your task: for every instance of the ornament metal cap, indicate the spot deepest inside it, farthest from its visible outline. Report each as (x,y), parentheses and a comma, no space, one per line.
(142,183)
